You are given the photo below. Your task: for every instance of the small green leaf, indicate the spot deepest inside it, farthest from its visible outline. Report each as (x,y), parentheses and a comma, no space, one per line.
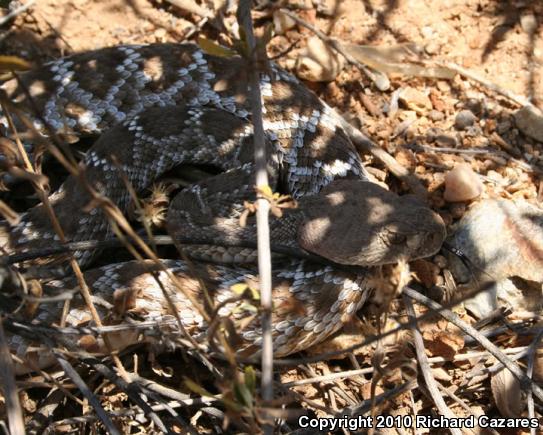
(13,63)
(239,288)
(243,395)
(250,379)
(214,49)
(265,191)
(255,293)
(195,388)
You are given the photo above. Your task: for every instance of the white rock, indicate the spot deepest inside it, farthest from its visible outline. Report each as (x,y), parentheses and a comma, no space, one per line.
(462,184)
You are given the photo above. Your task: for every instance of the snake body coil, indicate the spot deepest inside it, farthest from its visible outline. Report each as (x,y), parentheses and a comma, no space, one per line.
(161,105)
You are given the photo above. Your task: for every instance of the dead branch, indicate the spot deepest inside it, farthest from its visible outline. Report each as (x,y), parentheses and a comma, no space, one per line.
(262,215)
(11,396)
(425,368)
(525,381)
(17,11)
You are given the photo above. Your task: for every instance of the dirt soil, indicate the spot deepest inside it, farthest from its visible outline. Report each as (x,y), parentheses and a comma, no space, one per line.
(500,41)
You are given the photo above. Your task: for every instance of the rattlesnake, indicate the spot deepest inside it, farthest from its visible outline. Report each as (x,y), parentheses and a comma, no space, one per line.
(164,104)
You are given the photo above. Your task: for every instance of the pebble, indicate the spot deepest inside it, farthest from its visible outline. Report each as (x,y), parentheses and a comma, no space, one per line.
(432,48)
(475,105)
(415,100)
(436,115)
(503,126)
(464,119)
(444,86)
(462,184)
(528,23)
(446,140)
(529,120)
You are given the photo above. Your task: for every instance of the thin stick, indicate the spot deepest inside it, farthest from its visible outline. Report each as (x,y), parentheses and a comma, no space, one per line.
(16,12)
(7,374)
(525,381)
(425,368)
(43,196)
(366,405)
(529,372)
(522,101)
(82,386)
(329,377)
(263,205)
(460,402)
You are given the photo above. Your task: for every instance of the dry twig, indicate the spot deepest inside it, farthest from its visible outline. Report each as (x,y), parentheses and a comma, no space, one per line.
(9,388)
(522,101)
(529,372)
(525,381)
(263,204)
(17,11)
(426,370)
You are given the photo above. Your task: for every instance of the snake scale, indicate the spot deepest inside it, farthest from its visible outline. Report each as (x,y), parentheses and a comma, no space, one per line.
(157,106)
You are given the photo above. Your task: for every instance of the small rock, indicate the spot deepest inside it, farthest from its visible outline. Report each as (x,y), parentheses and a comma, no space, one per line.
(415,100)
(282,22)
(444,86)
(464,119)
(432,48)
(426,32)
(529,120)
(528,23)
(446,140)
(504,126)
(475,105)
(436,115)
(431,133)
(318,62)
(408,115)
(462,184)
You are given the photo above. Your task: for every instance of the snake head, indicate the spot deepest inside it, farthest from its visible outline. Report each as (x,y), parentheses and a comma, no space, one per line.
(360,223)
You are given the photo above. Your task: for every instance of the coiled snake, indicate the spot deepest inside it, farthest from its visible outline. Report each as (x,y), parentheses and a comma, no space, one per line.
(161,105)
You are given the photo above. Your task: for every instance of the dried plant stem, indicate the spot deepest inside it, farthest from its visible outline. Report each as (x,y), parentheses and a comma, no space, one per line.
(9,388)
(16,12)
(525,381)
(263,205)
(522,101)
(84,289)
(426,370)
(530,370)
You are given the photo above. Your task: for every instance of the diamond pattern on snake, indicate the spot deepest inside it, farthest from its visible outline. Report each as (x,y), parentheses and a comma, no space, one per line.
(155,107)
